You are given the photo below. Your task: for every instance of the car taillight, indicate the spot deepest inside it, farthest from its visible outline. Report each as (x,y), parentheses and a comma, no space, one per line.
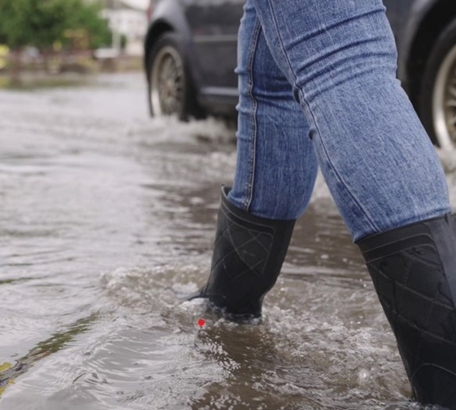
(150,9)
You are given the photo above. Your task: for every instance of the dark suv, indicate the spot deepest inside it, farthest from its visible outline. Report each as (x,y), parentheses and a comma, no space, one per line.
(190,56)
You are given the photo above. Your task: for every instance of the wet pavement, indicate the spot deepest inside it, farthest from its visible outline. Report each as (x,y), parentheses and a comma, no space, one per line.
(107,219)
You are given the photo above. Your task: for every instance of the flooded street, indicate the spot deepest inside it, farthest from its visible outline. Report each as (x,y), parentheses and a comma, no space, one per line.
(107,221)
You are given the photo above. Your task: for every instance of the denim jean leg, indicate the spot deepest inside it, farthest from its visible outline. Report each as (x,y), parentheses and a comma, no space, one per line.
(340,57)
(276,166)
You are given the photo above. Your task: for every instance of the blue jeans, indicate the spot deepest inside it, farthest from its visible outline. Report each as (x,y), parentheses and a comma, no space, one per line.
(318,88)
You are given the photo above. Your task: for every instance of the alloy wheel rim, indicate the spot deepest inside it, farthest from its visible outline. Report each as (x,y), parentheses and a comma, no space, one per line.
(444,102)
(167,82)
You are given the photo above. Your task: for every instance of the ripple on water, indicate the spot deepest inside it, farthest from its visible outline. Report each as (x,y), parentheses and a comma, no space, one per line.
(88,184)
(295,357)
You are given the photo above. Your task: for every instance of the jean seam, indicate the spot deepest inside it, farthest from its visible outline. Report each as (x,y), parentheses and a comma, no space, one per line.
(253,113)
(304,99)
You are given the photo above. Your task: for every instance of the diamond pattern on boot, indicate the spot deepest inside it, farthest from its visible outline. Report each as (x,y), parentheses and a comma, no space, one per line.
(252,247)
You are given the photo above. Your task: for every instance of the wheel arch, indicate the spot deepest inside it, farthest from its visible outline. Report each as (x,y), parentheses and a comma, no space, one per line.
(156,30)
(434,20)
(168,16)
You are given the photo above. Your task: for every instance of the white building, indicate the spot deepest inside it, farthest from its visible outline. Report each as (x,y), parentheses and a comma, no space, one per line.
(128,18)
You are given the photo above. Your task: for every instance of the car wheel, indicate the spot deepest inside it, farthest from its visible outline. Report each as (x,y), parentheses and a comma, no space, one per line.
(438,96)
(171,89)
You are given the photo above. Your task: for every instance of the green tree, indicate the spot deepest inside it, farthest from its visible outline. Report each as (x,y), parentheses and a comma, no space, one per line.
(15,30)
(43,23)
(86,16)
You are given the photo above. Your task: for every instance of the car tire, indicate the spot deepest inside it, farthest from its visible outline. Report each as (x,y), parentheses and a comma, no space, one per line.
(170,85)
(438,91)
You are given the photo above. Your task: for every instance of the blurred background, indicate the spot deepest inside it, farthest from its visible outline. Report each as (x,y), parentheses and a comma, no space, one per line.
(70,36)
(116,133)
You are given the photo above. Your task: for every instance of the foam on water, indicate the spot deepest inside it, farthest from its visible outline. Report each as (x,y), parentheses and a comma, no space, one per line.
(107,223)
(297,353)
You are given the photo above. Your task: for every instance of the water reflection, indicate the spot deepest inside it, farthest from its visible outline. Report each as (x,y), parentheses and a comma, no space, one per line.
(9,372)
(112,212)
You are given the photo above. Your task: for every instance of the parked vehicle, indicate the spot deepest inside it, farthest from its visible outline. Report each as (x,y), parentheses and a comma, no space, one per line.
(190,56)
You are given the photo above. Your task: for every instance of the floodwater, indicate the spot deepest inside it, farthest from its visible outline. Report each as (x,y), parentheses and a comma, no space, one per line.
(107,219)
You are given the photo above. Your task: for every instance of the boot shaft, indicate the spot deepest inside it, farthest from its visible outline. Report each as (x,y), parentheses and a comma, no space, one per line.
(248,255)
(414,273)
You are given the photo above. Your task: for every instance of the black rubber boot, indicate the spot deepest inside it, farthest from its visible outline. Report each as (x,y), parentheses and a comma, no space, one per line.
(414,273)
(248,255)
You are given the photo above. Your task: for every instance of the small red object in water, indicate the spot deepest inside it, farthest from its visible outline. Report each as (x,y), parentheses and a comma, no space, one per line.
(201,322)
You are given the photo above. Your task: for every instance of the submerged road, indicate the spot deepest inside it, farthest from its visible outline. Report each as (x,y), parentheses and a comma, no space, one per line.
(107,218)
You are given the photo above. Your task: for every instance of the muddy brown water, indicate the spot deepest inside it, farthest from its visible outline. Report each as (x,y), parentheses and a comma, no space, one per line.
(106,220)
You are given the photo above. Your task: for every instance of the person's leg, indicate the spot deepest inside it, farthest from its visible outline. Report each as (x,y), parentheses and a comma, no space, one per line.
(381,169)
(340,57)
(276,164)
(275,175)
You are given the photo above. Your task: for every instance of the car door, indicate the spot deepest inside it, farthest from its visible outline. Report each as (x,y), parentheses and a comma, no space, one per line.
(400,14)
(214,26)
